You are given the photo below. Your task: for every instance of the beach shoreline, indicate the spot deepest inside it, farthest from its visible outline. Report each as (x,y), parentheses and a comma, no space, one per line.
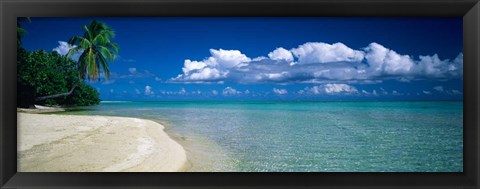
(77,143)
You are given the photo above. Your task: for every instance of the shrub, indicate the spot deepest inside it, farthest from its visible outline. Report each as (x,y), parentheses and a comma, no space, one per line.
(41,73)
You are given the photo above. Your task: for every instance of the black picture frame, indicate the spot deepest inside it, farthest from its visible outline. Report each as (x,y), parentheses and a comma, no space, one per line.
(10,9)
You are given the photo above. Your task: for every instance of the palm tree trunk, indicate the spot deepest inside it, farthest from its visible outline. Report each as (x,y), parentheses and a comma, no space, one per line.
(55,95)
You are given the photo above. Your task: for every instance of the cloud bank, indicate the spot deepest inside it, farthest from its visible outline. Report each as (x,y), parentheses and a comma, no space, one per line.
(318,63)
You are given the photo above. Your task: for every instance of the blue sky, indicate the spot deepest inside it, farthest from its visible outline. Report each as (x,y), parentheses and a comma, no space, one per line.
(272,58)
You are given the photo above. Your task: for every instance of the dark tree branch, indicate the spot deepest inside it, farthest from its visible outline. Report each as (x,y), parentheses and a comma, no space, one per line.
(55,95)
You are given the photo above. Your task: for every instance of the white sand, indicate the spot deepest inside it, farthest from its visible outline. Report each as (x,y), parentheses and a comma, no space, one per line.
(70,143)
(40,109)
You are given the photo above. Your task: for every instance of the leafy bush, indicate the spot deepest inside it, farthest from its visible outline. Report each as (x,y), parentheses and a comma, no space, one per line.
(83,95)
(25,90)
(41,73)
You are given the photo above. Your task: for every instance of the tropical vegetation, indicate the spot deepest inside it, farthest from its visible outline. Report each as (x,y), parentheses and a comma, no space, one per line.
(49,78)
(96,47)
(20,31)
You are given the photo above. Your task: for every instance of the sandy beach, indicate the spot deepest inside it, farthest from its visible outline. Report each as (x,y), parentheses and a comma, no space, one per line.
(71,143)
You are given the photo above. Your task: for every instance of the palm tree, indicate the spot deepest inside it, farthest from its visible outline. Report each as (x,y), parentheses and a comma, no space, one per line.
(21,31)
(96,47)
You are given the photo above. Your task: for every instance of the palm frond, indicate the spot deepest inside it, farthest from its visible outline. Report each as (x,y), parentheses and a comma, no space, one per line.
(73,51)
(106,52)
(101,40)
(21,31)
(88,34)
(113,47)
(82,65)
(104,65)
(75,39)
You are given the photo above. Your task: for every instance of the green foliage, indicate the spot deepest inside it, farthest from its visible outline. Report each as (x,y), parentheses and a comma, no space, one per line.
(25,91)
(20,31)
(41,73)
(97,48)
(51,77)
(83,95)
(48,72)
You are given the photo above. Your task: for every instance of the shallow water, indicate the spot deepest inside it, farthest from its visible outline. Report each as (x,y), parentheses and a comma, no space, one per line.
(309,136)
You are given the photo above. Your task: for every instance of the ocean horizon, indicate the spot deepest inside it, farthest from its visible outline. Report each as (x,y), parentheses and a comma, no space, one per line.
(307,136)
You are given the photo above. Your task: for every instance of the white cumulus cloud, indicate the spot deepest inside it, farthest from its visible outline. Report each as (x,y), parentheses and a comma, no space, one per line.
(132,70)
(318,63)
(314,90)
(317,52)
(438,88)
(63,47)
(148,90)
(384,60)
(229,91)
(206,74)
(182,91)
(227,58)
(189,65)
(456,92)
(280,91)
(212,68)
(331,89)
(281,54)
(373,93)
(339,88)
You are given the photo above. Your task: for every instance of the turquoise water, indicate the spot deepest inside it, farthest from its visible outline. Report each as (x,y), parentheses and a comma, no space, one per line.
(309,136)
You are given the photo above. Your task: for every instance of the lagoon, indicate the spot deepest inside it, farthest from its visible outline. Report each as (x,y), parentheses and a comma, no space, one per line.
(308,136)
